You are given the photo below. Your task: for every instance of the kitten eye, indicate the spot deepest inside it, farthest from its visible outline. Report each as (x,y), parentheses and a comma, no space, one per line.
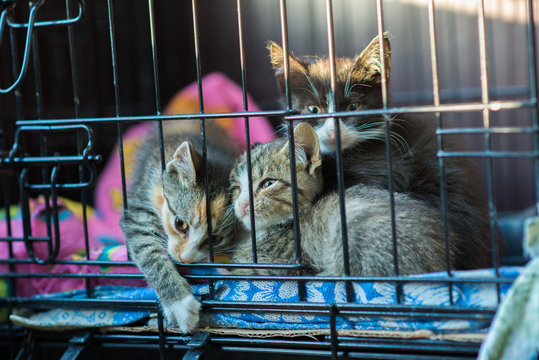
(314,109)
(266,183)
(235,188)
(180,225)
(352,107)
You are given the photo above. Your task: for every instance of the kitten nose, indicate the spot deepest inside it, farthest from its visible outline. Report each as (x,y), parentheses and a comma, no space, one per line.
(185,259)
(244,207)
(329,126)
(331,135)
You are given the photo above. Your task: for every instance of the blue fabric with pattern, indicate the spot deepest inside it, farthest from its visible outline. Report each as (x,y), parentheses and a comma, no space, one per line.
(465,294)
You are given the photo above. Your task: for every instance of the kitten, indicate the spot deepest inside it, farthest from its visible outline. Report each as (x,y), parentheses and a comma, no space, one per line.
(166,214)
(414,148)
(419,228)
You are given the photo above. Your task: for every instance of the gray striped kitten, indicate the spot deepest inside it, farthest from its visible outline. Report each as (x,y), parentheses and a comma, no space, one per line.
(166,214)
(419,228)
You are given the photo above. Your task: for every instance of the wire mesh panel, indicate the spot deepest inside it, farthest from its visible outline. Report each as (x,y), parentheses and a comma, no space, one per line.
(84,87)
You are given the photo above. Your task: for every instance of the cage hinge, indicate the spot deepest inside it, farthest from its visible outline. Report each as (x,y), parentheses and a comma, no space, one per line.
(77,345)
(198,346)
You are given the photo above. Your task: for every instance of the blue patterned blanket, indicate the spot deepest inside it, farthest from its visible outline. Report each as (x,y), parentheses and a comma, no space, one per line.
(465,294)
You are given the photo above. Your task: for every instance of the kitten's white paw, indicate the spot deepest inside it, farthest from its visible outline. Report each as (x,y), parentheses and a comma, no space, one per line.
(184,313)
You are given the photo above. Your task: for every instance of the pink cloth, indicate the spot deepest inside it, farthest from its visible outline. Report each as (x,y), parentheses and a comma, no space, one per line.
(103,245)
(105,238)
(221,95)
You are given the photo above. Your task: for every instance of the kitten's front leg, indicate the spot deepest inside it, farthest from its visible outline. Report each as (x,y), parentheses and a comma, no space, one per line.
(184,313)
(174,292)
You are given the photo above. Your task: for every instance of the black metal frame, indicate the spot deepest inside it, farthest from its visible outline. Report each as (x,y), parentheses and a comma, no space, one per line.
(16,163)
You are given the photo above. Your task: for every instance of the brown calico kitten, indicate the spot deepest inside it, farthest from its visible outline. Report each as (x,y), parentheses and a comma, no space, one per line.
(413,143)
(166,214)
(419,228)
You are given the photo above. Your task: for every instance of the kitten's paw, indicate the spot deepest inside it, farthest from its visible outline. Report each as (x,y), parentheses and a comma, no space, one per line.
(184,313)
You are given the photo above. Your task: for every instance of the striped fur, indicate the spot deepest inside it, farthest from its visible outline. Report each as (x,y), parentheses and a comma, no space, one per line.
(419,228)
(158,200)
(413,144)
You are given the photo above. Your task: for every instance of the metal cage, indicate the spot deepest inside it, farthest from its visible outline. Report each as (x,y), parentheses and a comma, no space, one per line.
(55,136)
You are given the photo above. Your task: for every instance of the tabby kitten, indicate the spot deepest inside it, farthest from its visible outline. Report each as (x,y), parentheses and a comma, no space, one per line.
(166,215)
(413,143)
(419,228)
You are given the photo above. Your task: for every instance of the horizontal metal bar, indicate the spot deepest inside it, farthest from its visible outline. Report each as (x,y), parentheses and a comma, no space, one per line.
(491,130)
(71,262)
(50,160)
(62,22)
(348,309)
(394,279)
(375,340)
(385,313)
(464,107)
(131,263)
(30,238)
(73,275)
(489,154)
(45,303)
(169,338)
(342,307)
(342,354)
(391,279)
(355,343)
(292,114)
(68,186)
(242,266)
(116,119)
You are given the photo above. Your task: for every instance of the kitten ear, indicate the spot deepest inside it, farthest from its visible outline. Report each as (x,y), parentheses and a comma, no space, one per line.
(307,147)
(296,66)
(368,63)
(185,162)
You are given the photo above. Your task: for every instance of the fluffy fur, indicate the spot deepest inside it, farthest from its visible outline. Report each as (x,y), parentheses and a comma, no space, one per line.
(166,215)
(415,169)
(419,228)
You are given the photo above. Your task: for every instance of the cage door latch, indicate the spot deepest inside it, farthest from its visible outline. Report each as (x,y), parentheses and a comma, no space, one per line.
(198,346)
(77,345)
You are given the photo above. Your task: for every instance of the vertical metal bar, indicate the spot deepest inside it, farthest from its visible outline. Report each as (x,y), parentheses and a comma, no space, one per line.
(9,233)
(161,330)
(151,16)
(441,167)
(72,60)
(286,62)
(18,106)
(380,20)
(203,135)
(291,148)
(154,56)
(487,139)
(333,332)
(56,221)
(340,171)
(42,137)
(247,131)
(37,76)
(533,92)
(76,107)
(110,11)
(14,69)
(25,212)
